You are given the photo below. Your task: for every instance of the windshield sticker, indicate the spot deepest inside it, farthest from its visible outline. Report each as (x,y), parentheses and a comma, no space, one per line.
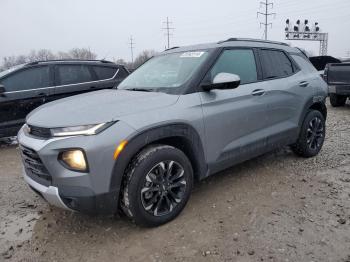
(192,54)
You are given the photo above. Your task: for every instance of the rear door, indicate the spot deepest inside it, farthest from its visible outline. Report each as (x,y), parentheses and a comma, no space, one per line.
(26,89)
(288,88)
(235,120)
(73,79)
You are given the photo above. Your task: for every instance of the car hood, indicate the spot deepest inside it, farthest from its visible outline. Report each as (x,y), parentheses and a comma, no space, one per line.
(97,107)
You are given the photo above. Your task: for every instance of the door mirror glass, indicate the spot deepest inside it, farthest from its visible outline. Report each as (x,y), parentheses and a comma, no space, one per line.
(224,81)
(2,89)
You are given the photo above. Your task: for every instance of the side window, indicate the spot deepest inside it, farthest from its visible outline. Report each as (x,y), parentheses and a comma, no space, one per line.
(275,64)
(304,64)
(240,62)
(32,78)
(122,73)
(103,72)
(73,74)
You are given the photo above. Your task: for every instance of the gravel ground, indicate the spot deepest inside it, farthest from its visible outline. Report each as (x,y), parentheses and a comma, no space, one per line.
(277,207)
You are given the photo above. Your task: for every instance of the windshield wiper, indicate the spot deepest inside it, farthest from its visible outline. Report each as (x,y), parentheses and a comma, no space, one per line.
(140,89)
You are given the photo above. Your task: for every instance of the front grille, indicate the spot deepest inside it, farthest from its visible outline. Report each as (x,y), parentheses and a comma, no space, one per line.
(41,132)
(34,167)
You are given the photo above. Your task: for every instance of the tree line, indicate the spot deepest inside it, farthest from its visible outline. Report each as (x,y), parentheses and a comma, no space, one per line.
(75,53)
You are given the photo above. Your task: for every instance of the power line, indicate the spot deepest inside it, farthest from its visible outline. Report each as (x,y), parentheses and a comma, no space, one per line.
(132,46)
(266,14)
(168,28)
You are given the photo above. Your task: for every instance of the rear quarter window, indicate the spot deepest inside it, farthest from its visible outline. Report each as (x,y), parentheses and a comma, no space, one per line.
(103,72)
(122,73)
(304,64)
(275,64)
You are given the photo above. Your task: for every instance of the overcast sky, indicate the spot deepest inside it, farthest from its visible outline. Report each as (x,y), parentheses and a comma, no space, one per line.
(105,26)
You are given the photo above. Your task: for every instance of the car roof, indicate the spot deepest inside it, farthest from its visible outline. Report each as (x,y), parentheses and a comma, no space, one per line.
(236,42)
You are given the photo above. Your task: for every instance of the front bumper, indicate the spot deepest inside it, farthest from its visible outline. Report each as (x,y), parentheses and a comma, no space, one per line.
(50,193)
(90,192)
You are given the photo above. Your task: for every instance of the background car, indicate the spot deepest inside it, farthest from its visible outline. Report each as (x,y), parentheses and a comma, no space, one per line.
(25,87)
(338,79)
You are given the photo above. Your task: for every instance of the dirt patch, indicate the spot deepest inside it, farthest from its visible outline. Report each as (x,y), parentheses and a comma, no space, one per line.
(277,207)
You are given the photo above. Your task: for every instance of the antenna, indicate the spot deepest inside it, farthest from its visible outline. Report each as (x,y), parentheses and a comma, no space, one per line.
(132,46)
(168,28)
(266,14)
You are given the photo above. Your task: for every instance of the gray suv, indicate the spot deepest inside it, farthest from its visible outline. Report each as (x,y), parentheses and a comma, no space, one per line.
(184,115)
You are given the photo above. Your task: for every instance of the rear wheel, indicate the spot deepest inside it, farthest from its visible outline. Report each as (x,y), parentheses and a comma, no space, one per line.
(337,100)
(157,185)
(312,135)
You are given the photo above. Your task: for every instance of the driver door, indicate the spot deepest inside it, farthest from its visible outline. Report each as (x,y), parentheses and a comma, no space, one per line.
(235,119)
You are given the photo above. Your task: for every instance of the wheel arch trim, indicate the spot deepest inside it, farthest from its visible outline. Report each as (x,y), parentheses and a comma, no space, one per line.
(185,132)
(317,103)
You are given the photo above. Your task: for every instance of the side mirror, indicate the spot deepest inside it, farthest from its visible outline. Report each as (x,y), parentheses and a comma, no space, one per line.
(2,90)
(224,81)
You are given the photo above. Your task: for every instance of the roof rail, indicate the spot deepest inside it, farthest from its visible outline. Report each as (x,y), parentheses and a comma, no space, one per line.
(68,60)
(253,40)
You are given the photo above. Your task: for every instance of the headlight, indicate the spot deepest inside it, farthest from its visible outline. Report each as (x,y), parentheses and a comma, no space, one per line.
(86,130)
(74,159)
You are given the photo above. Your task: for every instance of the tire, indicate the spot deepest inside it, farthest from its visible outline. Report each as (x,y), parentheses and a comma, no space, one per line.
(312,135)
(151,195)
(337,100)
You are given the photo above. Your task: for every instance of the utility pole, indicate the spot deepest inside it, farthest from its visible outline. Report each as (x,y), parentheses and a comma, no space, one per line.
(168,28)
(267,5)
(132,46)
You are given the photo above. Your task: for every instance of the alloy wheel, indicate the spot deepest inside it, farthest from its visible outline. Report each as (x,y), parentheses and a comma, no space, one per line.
(163,188)
(315,133)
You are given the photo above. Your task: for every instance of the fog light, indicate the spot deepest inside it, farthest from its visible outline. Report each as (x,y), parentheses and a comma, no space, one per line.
(74,159)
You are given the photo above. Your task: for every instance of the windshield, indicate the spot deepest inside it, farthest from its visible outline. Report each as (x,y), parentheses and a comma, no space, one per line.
(166,71)
(3,73)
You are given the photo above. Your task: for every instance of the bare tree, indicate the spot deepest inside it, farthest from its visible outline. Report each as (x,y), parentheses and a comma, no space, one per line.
(120,61)
(81,53)
(63,55)
(45,54)
(10,61)
(40,55)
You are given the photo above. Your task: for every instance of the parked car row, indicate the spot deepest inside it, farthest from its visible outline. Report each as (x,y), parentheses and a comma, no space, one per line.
(184,115)
(26,87)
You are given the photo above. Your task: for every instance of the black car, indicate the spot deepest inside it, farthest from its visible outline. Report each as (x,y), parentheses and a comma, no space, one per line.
(338,79)
(27,86)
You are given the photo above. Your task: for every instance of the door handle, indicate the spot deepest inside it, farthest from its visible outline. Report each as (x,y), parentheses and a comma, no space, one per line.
(92,87)
(303,84)
(41,94)
(258,92)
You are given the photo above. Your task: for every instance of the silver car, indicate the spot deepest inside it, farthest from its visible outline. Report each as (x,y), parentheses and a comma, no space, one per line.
(184,115)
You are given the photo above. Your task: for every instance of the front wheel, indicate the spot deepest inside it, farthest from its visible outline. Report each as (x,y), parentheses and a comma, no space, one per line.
(312,135)
(157,185)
